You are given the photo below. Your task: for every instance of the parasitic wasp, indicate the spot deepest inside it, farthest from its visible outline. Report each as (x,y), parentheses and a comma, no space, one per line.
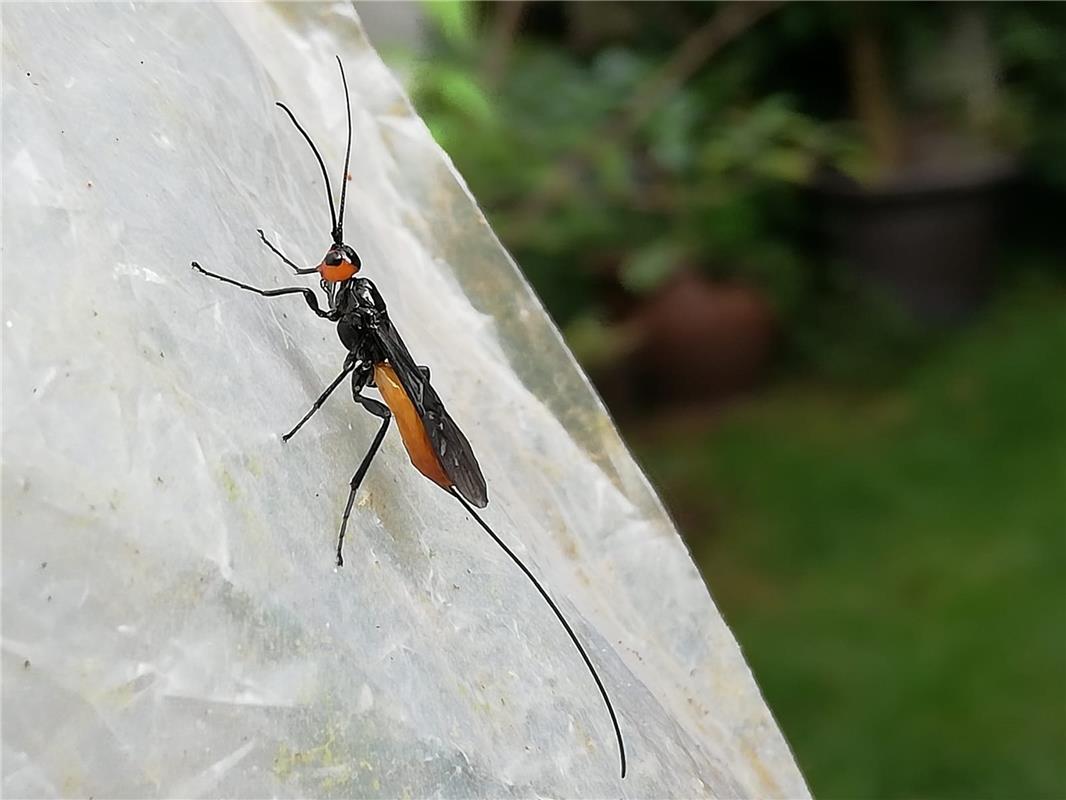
(378,358)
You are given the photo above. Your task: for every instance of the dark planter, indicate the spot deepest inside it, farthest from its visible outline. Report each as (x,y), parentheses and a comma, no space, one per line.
(926,238)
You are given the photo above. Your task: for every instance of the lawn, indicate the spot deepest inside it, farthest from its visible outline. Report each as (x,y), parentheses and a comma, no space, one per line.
(893,562)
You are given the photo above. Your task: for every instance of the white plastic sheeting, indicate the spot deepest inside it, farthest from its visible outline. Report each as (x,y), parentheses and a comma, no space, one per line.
(173,624)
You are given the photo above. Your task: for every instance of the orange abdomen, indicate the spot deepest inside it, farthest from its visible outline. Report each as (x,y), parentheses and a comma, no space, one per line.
(412,431)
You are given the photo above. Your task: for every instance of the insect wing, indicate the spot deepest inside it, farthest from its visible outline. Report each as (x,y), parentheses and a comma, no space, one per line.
(451,445)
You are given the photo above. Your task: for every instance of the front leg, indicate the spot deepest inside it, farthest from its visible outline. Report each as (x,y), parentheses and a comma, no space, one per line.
(283,257)
(309,296)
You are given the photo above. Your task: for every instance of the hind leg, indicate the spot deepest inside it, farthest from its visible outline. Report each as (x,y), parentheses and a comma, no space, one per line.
(378,410)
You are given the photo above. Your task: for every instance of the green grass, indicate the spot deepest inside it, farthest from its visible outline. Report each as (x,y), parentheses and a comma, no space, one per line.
(894,565)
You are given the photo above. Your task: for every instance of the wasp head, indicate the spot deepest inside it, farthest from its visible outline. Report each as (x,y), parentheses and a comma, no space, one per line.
(340,263)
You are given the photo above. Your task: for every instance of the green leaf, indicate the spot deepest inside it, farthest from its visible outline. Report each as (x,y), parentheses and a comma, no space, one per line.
(462,93)
(455,21)
(649,267)
(785,163)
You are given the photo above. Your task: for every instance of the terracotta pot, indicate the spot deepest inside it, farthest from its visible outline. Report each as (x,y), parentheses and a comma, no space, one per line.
(701,340)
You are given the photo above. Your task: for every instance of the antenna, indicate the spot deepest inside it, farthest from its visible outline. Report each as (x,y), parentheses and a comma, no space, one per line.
(338,228)
(329,190)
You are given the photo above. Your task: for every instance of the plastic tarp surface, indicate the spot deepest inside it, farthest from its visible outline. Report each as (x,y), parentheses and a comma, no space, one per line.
(173,624)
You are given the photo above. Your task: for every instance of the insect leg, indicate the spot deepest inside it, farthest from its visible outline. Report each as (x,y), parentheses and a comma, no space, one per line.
(309,296)
(378,410)
(350,363)
(283,257)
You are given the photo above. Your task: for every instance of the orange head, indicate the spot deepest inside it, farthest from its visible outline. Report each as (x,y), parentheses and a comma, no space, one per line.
(340,263)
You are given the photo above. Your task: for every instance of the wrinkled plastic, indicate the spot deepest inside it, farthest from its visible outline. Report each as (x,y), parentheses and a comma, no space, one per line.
(173,624)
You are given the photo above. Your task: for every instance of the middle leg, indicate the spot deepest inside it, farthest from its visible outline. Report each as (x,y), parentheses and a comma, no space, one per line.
(350,363)
(309,296)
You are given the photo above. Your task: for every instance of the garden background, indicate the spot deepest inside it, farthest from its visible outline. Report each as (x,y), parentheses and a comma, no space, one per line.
(812,256)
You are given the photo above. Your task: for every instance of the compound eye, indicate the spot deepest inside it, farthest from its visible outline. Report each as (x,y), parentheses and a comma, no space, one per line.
(333,258)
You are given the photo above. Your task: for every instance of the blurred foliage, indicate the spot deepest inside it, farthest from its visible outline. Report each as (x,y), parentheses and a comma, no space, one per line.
(893,562)
(1029,43)
(702,180)
(716,176)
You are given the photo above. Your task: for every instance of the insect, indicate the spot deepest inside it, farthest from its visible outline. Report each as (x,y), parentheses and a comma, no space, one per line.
(378,358)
